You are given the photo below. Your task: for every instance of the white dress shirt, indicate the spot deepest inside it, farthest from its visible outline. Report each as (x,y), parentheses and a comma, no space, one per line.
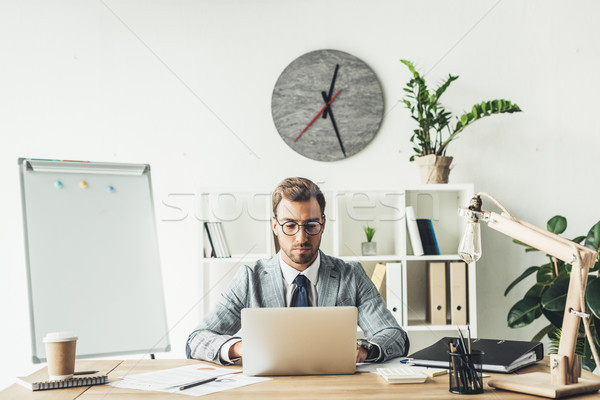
(290,273)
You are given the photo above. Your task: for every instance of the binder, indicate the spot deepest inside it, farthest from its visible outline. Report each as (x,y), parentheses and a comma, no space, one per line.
(499,355)
(378,275)
(210,241)
(436,293)
(212,226)
(458,293)
(428,239)
(413,231)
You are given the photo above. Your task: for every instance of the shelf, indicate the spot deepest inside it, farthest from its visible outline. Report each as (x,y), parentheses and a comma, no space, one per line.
(247,226)
(425,327)
(241,258)
(443,257)
(382,258)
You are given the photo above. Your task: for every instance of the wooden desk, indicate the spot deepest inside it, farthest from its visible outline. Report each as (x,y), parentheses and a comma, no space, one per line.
(343,387)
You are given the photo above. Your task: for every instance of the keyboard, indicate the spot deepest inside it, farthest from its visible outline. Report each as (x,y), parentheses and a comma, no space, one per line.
(403,374)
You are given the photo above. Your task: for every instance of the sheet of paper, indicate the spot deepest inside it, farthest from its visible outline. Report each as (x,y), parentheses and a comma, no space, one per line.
(175,377)
(169,380)
(399,362)
(224,383)
(372,367)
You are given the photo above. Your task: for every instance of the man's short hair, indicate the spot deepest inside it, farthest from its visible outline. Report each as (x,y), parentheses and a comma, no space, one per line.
(297,189)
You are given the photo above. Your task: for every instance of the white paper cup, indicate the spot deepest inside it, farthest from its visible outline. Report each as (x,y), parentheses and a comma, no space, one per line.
(60,354)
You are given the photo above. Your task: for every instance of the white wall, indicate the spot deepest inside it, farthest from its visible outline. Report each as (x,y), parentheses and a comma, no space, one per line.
(186,87)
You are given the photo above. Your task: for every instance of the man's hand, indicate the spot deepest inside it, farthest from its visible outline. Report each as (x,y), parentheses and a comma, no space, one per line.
(235,351)
(361,353)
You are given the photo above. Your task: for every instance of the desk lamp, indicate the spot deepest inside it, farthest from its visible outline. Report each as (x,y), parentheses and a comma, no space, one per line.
(564,368)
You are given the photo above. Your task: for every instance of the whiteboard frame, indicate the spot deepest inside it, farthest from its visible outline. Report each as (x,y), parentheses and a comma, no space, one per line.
(42,165)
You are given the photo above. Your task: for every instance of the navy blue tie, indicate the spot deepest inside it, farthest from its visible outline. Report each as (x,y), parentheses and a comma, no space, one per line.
(300,296)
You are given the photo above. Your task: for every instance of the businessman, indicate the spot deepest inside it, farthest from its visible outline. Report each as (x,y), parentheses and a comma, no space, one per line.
(299,275)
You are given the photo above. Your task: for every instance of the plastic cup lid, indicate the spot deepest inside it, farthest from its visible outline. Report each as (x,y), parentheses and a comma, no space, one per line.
(65,336)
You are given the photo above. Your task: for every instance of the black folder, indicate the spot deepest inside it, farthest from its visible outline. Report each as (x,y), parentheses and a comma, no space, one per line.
(499,355)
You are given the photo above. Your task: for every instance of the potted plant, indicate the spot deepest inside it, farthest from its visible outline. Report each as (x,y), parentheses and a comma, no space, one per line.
(433,120)
(369,248)
(548,294)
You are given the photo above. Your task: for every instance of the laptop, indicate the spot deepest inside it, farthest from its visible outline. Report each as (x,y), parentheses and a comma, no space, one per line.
(299,340)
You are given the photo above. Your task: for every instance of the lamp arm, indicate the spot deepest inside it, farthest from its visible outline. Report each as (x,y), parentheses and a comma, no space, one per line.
(586,321)
(582,260)
(489,196)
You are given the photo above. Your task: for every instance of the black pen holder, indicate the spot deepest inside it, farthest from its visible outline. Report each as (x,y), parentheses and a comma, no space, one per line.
(465,372)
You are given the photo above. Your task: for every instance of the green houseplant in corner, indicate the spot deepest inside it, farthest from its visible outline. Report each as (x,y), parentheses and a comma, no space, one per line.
(548,294)
(433,121)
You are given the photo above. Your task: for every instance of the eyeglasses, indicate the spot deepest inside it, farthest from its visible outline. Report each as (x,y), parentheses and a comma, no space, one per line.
(290,228)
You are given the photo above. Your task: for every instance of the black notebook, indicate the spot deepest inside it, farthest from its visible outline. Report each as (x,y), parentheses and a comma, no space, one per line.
(499,355)
(84,380)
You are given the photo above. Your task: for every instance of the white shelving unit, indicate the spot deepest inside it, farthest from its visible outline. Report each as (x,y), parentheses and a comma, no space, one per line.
(246,222)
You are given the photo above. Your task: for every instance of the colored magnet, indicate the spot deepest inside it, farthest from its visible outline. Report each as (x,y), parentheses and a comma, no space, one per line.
(58,184)
(83,184)
(110,189)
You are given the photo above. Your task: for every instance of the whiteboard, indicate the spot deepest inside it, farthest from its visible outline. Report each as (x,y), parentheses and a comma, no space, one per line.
(92,257)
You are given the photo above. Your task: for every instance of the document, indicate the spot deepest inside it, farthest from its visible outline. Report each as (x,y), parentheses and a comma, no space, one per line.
(399,362)
(169,380)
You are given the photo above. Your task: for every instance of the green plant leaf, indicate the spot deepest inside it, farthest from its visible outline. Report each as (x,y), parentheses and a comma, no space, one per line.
(587,359)
(578,239)
(523,313)
(557,224)
(440,90)
(555,317)
(536,291)
(524,275)
(410,66)
(555,296)
(547,330)
(592,296)
(592,239)
(545,274)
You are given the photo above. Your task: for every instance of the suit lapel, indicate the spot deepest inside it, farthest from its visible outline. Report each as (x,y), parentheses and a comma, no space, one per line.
(271,283)
(328,283)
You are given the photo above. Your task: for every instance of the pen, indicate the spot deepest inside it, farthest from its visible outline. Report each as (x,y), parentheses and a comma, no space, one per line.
(85,372)
(469,333)
(462,340)
(197,383)
(203,381)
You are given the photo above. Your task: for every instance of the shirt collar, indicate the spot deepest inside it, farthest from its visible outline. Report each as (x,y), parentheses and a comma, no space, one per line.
(290,273)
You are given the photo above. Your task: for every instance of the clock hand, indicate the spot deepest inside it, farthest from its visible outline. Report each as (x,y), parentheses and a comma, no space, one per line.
(337,66)
(335,128)
(317,116)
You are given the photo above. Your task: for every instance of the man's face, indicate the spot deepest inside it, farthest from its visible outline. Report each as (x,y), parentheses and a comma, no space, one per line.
(301,249)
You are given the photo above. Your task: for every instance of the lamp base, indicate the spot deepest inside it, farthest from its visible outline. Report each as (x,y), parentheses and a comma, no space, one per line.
(539,384)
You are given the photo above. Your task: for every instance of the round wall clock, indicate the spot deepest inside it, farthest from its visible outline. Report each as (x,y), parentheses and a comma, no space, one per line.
(327,105)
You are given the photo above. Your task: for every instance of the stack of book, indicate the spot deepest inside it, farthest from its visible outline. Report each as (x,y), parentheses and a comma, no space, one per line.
(216,237)
(421,233)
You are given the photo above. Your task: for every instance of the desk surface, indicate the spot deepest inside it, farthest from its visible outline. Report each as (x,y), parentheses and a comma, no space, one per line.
(343,387)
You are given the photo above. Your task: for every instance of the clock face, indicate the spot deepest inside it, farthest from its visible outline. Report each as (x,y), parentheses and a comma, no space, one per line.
(327,105)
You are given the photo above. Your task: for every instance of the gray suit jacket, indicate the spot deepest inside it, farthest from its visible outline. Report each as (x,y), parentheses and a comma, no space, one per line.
(339,284)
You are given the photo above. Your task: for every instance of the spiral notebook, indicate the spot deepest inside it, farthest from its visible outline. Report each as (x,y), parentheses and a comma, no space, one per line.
(31,383)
